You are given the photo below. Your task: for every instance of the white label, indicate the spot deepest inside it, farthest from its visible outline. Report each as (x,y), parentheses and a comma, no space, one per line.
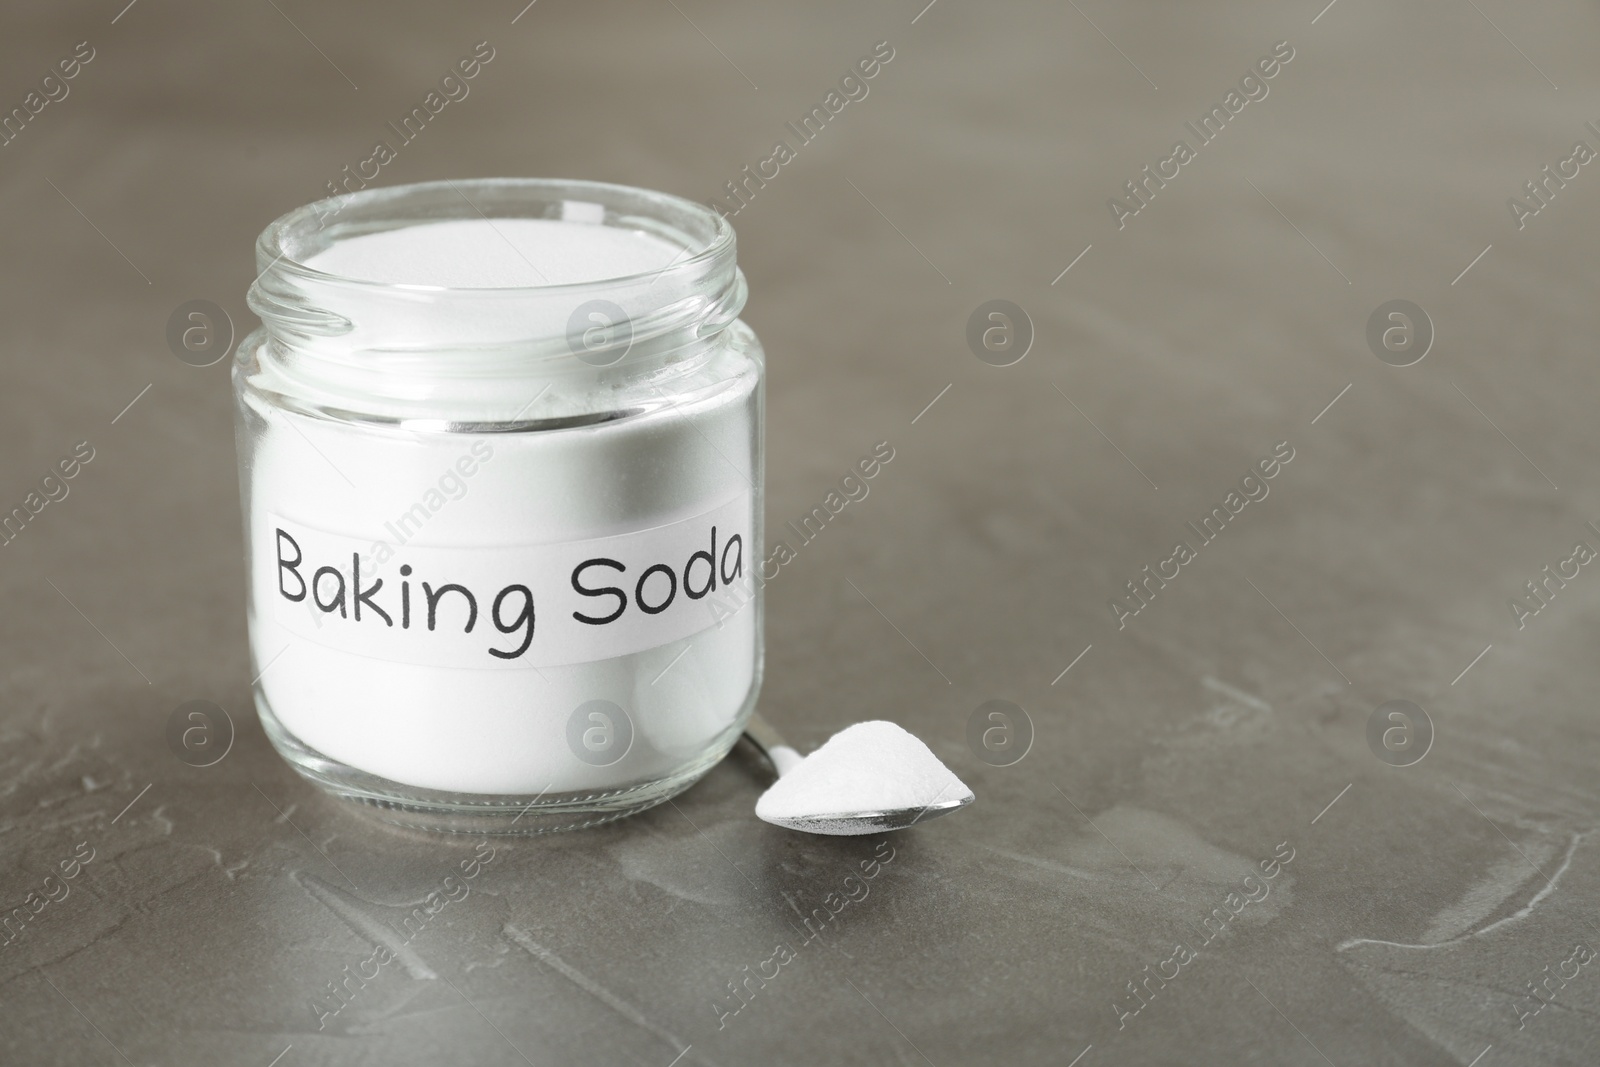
(502,606)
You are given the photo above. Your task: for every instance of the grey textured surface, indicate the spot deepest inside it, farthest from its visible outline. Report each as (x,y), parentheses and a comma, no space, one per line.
(1175,755)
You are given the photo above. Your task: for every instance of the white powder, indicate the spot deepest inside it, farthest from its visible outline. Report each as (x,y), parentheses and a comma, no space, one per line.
(498,253)
(433,709)
(868,767)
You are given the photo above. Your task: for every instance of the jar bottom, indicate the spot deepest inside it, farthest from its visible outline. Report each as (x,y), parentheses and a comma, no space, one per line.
(494,814)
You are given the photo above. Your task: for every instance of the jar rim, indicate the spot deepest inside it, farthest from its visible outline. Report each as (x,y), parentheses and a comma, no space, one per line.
(674,216)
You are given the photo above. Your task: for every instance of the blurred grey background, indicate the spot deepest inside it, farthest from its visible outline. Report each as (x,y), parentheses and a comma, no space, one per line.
(1435,910)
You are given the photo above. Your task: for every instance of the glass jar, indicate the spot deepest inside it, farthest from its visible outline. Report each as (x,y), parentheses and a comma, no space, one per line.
(502,542)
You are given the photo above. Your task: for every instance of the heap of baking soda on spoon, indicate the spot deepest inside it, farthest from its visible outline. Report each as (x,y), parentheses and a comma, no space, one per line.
(866,778)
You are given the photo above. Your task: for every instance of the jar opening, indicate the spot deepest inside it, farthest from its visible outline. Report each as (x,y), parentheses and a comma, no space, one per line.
(589,331)
(294,241)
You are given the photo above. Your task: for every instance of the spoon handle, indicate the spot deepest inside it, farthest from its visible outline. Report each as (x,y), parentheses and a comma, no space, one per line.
(772,745)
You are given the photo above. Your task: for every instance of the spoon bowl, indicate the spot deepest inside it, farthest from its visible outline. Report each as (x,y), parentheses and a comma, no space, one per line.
(784,759)
(852,823)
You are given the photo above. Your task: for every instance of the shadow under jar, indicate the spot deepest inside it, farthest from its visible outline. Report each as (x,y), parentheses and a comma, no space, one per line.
(500,449)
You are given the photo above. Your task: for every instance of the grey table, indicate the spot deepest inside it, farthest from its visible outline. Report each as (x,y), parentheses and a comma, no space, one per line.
(1107,899)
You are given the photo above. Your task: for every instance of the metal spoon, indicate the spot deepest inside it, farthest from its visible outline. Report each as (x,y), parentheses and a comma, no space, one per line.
(784,759)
